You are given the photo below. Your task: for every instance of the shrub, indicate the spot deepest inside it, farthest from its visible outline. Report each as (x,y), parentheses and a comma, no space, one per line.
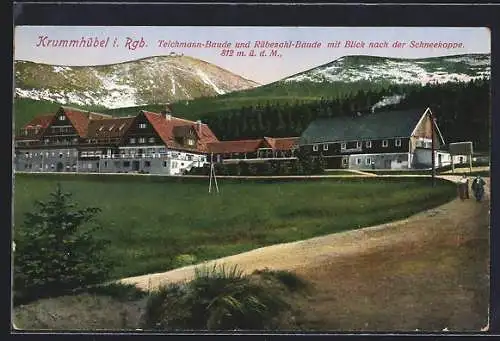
(56,251)
(119,291)
(218,298)
(290,280)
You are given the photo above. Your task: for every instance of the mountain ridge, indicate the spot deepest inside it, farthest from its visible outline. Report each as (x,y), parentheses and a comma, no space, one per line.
(338,69)
(131,83)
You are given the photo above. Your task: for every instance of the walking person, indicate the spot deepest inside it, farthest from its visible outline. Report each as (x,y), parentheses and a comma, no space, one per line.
(478,188)
(463,188)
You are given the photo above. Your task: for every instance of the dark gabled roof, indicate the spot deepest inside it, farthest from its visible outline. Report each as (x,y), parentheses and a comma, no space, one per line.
(367,126)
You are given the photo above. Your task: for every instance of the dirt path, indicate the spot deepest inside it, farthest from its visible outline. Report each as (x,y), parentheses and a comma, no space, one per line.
(443,222)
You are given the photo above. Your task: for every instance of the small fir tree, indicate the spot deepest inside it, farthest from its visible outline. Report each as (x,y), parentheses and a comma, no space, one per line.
(56,251)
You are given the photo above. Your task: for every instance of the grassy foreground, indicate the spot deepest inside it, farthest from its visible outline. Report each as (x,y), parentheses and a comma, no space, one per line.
(156,224)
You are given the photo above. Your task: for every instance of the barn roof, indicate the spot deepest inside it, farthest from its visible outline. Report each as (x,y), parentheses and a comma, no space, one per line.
(379,125)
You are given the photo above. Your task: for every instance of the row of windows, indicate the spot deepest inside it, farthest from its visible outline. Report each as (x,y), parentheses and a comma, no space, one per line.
(359,144)
(368,161)
(142,140)
(36,154)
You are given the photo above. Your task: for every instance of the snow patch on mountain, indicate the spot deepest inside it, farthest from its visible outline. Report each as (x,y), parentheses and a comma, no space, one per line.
(207,81)
(116,95)
(173,85)
(59,69)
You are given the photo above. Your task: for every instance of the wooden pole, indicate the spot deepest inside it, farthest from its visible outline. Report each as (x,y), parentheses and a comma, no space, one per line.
(470,163)
(210,181)
(433,143)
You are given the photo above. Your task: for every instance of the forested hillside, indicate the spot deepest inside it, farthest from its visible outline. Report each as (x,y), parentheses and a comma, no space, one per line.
(462,111)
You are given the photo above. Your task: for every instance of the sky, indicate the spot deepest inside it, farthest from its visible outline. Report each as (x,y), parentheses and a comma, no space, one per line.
(31,44)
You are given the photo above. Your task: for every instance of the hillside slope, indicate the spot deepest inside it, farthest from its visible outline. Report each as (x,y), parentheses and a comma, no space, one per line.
(159,79)
(398,70)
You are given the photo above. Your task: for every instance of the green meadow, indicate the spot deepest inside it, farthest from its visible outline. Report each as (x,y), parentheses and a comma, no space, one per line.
(159,223)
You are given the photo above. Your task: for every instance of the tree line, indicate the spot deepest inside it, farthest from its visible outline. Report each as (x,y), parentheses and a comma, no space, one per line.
(462,110)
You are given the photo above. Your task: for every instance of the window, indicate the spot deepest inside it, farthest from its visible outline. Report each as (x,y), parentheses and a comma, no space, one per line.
(358,144)
(174,164)
(461,159)
(358,160)
(190,142)
(142,125)
(53,154)
(368,144)
(165,164)
(117,164)
(385,143)
(151,140)
(52,166)
(368,161)
(325,147)
(147,164)
(132,140)
(101,128)
(111,128)
(89,166)
(315,147)
(190,157)
(121,127)
(343,146)
(75,154)
(105,163)
(47,154)
(142,139)
(344,162)
(62,118)
(397,143)
(126,163)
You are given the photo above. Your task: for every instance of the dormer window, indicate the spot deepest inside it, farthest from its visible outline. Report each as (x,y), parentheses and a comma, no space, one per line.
(343,146)
(142,125)
(132,140)
(397,143)
(325,146)
(62,118)
(151,140)
(142,140)
(315,147)
(101,128)
(121,127)
(190,142)
(385,143)
(368,144)
(358,144)
(111,128)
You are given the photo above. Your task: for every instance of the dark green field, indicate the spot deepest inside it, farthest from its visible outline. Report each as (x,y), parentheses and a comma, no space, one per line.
(153,220)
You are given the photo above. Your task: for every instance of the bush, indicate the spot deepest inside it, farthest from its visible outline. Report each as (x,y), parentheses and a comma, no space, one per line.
(56,252)
(289,279)
(119,291)
(218,298)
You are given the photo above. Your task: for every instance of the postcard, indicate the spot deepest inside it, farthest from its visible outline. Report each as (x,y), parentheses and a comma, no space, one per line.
(319,179)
